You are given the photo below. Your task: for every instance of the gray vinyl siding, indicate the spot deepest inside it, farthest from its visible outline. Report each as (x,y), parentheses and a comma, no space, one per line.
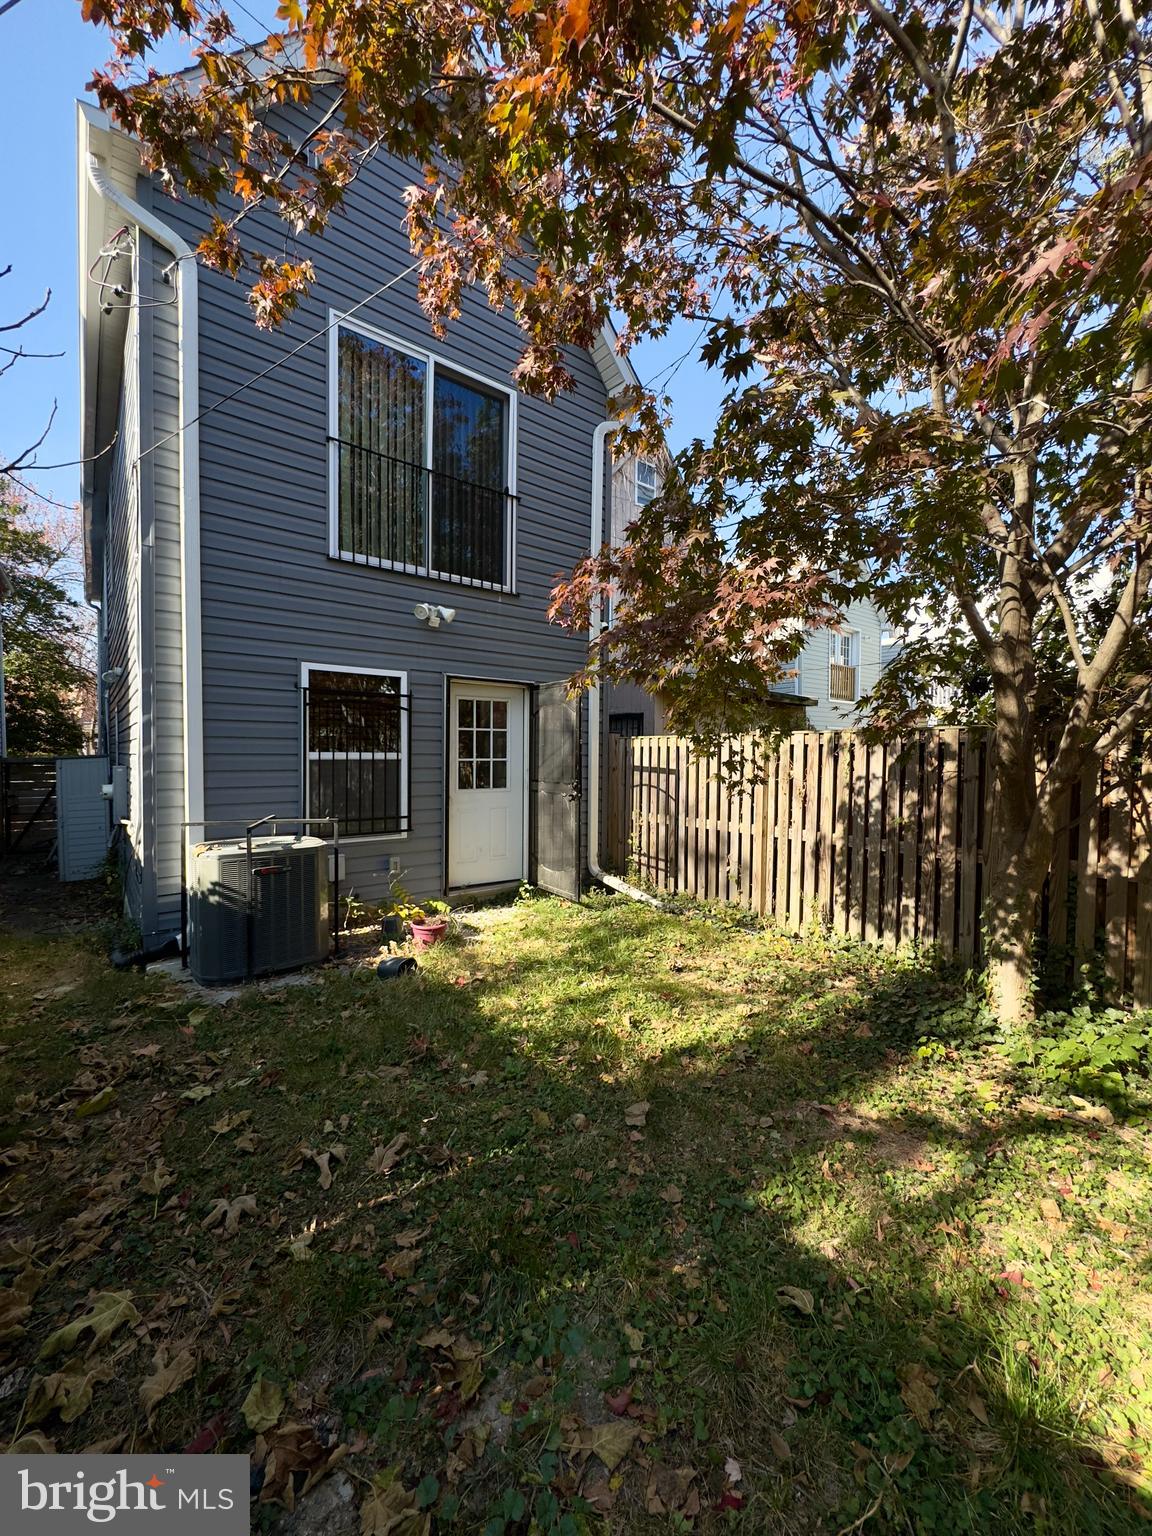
(121,623)
(272,598)
(161,482)
(142,629)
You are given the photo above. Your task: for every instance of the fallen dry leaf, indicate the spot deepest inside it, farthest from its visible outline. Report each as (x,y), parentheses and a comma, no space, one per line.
(229,1212)
(796,1296)
(435,1338)
(609,1443)
(156,1179)
(263,1405)
(167,1377)
(67,1392)
(383,1158)
(109,1311)
(636,1115)
(390,1510)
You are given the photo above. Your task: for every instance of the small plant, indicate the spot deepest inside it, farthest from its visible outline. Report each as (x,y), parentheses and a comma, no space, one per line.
(357,913)
(1098,1050)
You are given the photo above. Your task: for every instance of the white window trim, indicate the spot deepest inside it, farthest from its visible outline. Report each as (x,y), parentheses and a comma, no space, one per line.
(647,464)
(853,638)
(431,360)
(306,755)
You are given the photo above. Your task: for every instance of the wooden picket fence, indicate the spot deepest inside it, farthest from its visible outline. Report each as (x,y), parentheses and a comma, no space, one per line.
(882,842)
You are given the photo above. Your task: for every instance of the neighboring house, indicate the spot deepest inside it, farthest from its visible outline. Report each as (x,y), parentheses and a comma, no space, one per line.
(836,667)
(322,556)
(628,709)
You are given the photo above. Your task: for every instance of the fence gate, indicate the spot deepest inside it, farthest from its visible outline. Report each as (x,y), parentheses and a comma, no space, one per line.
(82,816)
(27,804)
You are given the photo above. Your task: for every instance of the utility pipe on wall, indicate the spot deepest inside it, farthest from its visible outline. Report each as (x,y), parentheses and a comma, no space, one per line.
(189,446)
(595,745)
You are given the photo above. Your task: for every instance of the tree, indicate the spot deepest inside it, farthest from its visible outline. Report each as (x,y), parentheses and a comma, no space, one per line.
(49,685)
(914,235)
(9,357)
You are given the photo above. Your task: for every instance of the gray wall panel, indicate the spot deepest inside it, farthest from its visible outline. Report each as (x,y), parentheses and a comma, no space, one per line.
(272,598)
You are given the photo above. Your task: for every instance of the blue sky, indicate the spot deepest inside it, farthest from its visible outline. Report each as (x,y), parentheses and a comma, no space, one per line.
(57,53)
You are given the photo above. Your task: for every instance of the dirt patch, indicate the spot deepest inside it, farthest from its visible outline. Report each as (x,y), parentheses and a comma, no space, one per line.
(887,1140)
(33,900)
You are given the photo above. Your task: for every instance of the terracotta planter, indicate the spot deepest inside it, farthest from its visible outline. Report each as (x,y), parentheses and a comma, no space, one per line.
(424,935)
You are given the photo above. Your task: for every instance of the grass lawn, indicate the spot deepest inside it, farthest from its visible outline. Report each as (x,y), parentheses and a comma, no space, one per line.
(610,1220)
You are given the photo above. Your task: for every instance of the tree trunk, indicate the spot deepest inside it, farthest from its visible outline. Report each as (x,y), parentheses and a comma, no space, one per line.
(1009,933)
(1021,842)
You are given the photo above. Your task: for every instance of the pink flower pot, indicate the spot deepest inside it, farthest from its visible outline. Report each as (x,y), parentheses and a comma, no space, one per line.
(424,935)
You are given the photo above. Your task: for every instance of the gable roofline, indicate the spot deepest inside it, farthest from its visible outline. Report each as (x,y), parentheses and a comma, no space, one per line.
(614,367)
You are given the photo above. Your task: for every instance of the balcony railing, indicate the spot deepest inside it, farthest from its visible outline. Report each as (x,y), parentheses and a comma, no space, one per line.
(842,682)
(396,513)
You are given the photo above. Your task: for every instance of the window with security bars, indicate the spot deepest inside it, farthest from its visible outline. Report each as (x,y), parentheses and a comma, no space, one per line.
(482,743)
(421,464)
(356,750)
(626,723)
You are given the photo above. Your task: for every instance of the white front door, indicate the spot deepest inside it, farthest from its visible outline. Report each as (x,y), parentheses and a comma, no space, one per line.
(487,783)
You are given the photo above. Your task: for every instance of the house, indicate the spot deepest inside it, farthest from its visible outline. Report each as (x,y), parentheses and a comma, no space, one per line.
(322,556)
(628,709)
(834,669)
(837,667)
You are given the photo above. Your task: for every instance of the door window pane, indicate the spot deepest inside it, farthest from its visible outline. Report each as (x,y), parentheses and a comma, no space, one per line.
(482,752)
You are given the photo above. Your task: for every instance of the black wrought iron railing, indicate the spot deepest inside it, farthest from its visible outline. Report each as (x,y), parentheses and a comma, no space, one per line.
(395,512)
(356,759)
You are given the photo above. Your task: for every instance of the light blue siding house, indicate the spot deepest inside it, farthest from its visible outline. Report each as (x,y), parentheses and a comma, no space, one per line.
(322,556)
(837,667)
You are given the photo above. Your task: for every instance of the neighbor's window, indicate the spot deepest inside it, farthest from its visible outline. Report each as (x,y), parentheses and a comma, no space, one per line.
(626,724)
(843,667)
(356,736)
(646,486)
(420,464)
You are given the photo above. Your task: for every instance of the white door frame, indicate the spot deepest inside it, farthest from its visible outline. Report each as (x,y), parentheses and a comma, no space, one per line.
(455,679)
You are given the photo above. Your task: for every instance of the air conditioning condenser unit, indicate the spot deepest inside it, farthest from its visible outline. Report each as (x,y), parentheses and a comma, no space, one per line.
(257,908)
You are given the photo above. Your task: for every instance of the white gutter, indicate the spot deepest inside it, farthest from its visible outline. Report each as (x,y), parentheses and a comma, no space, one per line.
(189,445)
(595,745)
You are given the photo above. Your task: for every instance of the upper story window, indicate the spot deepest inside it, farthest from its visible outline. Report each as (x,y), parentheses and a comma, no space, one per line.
(844,665)
(646,487)
(422,462)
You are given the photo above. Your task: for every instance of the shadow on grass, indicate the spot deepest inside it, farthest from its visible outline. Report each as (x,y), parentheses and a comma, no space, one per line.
(818,1293)
(913,1374)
